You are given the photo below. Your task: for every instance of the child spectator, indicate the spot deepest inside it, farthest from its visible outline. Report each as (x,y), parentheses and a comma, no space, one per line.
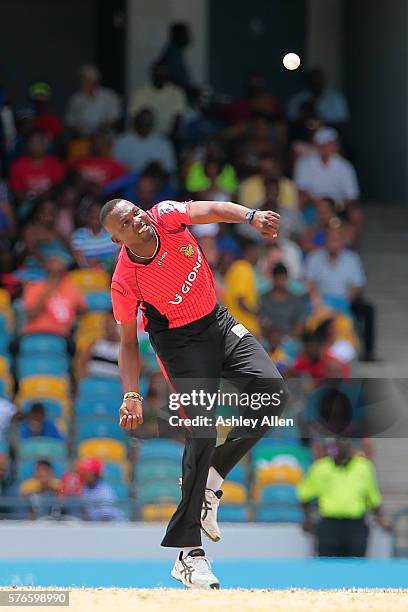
(98,497)
(41,491)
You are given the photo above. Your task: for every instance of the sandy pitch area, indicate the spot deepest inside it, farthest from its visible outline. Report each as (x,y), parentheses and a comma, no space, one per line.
(129,600)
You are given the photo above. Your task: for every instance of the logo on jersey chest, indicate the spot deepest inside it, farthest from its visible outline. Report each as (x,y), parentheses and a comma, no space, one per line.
(188,250)
(191,278)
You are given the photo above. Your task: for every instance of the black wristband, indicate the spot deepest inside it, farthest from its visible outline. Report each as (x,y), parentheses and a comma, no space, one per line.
(250,215)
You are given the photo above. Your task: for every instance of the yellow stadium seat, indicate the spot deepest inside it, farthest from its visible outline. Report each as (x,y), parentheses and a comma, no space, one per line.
(104,448)
(90,280)
(4,367)
(233,493)
(45,387)
(162,512)
(5,301)
(278,474)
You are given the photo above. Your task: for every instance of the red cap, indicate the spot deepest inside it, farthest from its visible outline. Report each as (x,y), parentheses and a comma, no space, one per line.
(92,465)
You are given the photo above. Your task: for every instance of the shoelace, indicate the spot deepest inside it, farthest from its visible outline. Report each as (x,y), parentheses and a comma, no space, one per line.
(202,564)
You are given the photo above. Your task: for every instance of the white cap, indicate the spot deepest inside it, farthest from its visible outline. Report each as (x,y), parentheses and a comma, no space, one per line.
(325,135)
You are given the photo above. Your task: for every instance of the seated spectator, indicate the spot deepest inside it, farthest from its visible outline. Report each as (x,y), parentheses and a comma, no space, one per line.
(141,146)
(37,425)
(252,190)
(98,498)
(41,491)
(211,176)
(326,174)
(167,100)
(256,100)
(335,271)
(260,139)
(35,173)
(315,362)
(272,342)
(101,357)
(92,244)
(279,309)
(40,94)
(282,251)
(51,306)
(92,107)
(42,240)
(67,199)
(99,167)
(346,489)
(329,104)
(315,235)
(240,289)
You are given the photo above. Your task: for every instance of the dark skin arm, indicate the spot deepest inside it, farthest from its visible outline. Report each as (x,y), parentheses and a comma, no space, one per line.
(131,411)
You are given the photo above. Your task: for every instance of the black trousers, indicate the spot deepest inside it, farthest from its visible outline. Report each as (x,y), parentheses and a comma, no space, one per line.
(196,357)
(365,315)
(342,537)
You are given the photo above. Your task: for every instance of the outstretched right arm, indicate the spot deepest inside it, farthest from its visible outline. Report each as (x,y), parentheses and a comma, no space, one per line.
(131,411)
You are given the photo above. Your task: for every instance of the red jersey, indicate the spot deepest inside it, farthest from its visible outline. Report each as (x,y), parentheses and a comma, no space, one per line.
(32,177)
(176,287)
(100,170)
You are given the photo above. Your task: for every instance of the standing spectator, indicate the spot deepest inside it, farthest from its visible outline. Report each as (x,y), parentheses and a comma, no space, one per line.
(346,489)
(93,106)
(91,243)
(252,190)
(173,55)
(100,167)
(37,172)
(45,120)
(336,271)
(139,147)
(325,173)
(51,305)
(38,425)
(329,104)
(280,310)
(167,100)
(41,491)
(98,497)
(240,290)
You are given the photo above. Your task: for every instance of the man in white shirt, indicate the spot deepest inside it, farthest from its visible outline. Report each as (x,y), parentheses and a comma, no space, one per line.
(139,147)
(93,106)
(325,173)
(166,100)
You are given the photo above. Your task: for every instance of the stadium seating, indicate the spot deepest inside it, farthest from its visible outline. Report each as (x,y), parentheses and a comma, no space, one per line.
(238,474)
(160,449)
(93,387)
(284,473)
(120,489)
(234,493)
(232,514)
(115,472)
(6,380)
(98,301)
(54,408)
(90,280)
(104,448)
(152,512)
(157,469)
(99,428)
(26,468)
(43,448)
(99,407)
(51,387)
(42,343)
(49,364)
(158,492)
(278,503)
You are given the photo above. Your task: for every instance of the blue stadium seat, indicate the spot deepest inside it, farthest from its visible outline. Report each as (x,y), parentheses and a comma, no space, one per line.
(97,407)
(54,409)
(121,489)
(43,448)
(161,449)
(279,494)
(92,387)
(337,303)
(232,514)
(26,469)
(158,492)
(237,474)
(42,343)
(99,300)
(99,428)
(50,364)
(148,470)
(3,388)
(113,472)
(278,515)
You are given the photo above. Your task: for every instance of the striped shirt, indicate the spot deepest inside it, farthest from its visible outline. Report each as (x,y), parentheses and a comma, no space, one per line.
(93,246)
(104,359)
(176,287)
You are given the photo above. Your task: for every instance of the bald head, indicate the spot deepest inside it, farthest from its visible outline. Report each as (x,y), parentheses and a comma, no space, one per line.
(110,206)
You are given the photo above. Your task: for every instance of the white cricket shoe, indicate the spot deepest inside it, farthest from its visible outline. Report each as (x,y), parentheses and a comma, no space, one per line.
(209,514)
(194,571)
